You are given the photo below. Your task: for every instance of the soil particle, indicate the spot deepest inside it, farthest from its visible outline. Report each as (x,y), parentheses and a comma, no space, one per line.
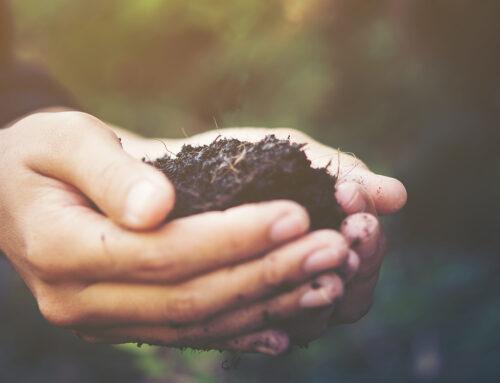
(230,172)
(356,242)
(315,285)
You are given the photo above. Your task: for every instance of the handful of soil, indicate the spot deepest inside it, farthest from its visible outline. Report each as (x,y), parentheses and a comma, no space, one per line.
(230,172)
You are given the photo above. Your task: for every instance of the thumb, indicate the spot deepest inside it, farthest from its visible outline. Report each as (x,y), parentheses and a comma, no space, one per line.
(132,193)
(89,156)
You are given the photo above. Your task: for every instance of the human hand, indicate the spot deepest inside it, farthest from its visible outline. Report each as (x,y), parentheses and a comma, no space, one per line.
(362,195)
(119,275)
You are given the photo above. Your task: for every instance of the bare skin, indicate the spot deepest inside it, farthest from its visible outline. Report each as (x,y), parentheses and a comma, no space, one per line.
(120,275)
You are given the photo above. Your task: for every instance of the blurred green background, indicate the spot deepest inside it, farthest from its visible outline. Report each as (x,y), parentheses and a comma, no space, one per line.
(410,86)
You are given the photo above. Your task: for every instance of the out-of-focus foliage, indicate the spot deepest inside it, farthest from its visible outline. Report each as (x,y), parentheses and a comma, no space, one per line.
(157,66)
(411,86)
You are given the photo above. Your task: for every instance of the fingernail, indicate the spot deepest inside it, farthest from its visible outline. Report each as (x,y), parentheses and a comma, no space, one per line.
(315,298)
(138,201)
(367,242)
(348,197)
(289,226)
(349,269)
(362,232)
(324,291)
(321,260)
(274,344)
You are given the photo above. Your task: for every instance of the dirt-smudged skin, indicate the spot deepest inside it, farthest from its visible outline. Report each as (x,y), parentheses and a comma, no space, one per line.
(230,172)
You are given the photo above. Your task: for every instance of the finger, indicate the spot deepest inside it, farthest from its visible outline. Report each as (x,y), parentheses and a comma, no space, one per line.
(388,194)
(312,324)
(357,300)
(178,250)
(272,342)
(199,298)
(87,154)
(322,292)
(359,293)
(364,234)
(358,297)
(353,198)
(350,267)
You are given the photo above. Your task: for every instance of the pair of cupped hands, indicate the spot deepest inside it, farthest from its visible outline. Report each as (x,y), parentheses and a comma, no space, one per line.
(81,220)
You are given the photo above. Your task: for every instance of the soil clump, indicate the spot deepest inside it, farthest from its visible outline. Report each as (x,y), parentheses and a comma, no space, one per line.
(229,172)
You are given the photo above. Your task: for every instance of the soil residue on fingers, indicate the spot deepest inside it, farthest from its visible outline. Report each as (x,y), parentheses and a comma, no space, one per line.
(230,172)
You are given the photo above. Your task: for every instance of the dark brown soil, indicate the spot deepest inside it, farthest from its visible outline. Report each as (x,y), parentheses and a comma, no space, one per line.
(229,172)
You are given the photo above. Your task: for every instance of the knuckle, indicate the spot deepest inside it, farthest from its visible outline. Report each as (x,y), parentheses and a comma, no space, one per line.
(158,261)
(57,313)
(232,242)
(77,119)
(81,123)
(42,263)
(73,123)
(45,269)
(29,123)
(158,255)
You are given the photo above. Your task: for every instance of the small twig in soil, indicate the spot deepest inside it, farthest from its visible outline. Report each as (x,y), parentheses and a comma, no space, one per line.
(216,124)
(214,176)
(350,170)
(190,191)
(165,146)
(236,171)
(328,164)
(241,156)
